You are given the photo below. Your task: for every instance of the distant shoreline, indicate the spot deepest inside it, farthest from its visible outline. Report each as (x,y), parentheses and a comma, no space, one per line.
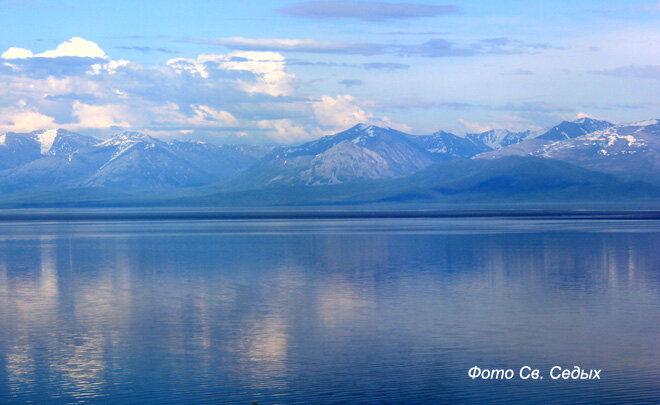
(173,214)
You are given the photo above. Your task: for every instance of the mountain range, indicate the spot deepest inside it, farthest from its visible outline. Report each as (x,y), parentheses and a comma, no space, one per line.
(59,159)
(584,159)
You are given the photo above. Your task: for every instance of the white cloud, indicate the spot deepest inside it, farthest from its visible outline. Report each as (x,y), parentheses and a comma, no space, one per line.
(100,116)
(296,45)
(282,44)
(339,112)
(20,119)
(205,114)
(584,115)
(344,111)
(285,131)
(109,67)
(241,94)
(190,66)
(476,127)
(76,46)
(17,53)
(268,68)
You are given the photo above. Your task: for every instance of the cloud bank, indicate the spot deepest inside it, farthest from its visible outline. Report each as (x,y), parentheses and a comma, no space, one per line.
(234,95)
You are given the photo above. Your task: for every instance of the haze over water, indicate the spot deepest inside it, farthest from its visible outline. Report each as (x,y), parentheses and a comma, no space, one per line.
(325,311)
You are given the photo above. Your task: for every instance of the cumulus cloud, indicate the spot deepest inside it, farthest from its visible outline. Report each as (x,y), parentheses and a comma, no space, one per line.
(76,47)
(475,127)
(344,111)
(268,68)
(17,53)
(581,115)
(367,11)
(20,119)
(264,71)
(100,116)
(206,115)
(339,112)
(286,131)
(247,94)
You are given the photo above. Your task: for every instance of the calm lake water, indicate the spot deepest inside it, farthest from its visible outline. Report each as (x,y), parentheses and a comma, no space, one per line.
(327,311)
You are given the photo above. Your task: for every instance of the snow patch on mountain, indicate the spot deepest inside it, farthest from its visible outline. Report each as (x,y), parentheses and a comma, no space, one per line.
(46,139)
(127,139)
(645,123)
(608,142)
(131,160)
(446,146)
(573,129)
(631,151)
(59,159)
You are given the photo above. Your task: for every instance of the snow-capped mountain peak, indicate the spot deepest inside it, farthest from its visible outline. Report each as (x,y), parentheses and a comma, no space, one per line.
(57,141)
(498,138)
(629,150)
(607,142)
(573,129)
(128,138)
(588,120)
(134,160)
(582,120)
(444,145)
(368,127)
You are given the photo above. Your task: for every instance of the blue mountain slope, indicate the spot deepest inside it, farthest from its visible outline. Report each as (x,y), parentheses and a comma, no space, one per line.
(573,129)
(363,152)
(57,159)
(446,146)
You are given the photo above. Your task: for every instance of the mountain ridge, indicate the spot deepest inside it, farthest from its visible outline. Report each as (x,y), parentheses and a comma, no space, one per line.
(48,162)
(66,159)
(631,150)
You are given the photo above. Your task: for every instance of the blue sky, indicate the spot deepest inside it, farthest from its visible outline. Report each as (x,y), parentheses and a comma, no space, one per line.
(290,71)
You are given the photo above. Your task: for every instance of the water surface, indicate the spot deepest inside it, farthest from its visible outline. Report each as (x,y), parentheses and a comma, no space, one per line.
(349,310)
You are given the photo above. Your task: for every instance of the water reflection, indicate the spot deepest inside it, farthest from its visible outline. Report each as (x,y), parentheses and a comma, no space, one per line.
(338,311)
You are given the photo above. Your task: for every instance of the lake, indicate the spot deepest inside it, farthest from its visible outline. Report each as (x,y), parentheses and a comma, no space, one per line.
(327,310)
